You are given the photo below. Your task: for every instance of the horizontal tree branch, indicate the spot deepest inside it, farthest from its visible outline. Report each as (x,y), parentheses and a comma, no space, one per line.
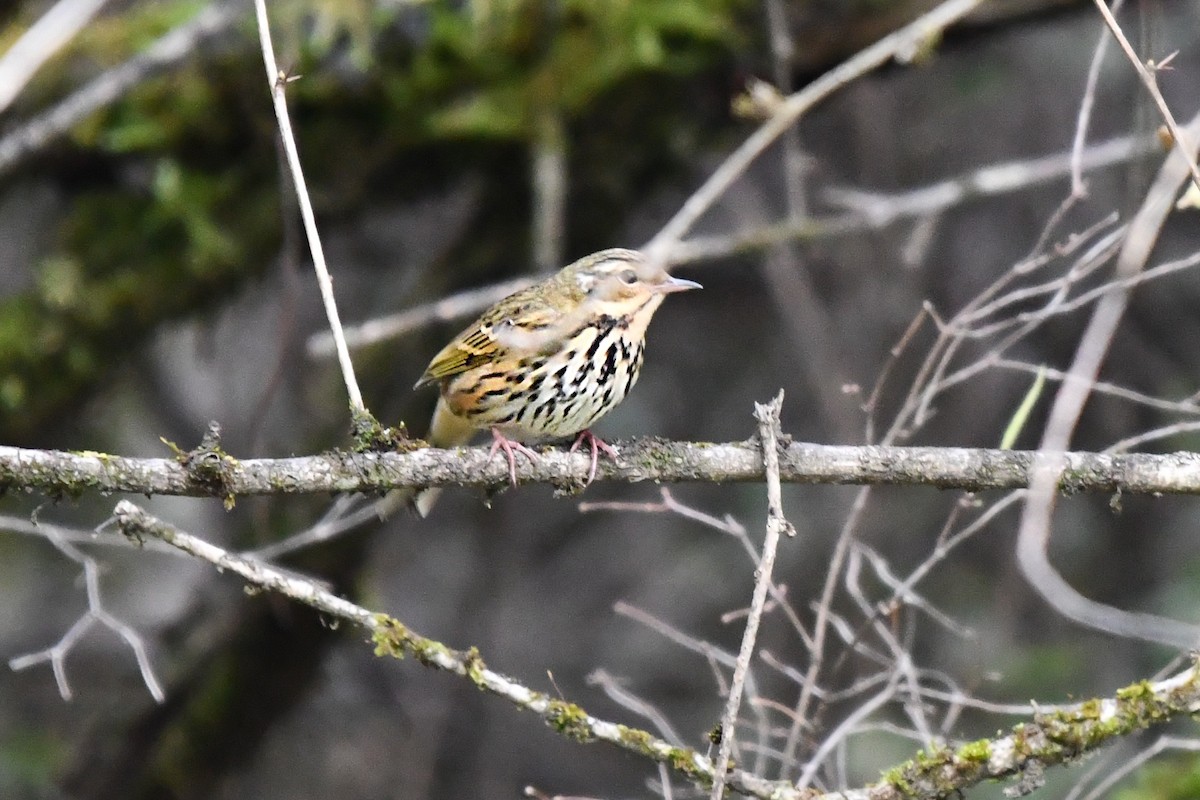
(208,472)
(1049,739)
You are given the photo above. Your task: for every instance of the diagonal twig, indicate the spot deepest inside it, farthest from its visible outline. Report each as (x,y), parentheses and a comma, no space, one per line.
(113,84)
(392,637)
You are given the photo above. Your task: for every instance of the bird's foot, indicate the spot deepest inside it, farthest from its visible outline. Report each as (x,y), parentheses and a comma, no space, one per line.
(510,447)
(597,444)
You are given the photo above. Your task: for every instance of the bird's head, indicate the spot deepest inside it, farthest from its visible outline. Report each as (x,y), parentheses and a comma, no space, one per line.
(622,282)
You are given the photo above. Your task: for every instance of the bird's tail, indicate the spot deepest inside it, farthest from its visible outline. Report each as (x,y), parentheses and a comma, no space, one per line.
(446,430)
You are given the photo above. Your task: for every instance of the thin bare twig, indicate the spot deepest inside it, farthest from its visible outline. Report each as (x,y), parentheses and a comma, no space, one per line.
(886,49)
(549,191)
(611,685)
(845,728)
(1083,122)
(820,629)
(1183,145)
(392,326)
(769,433)
(1128,765)
(96,614)
(728,525)
(869,211)
(278,81)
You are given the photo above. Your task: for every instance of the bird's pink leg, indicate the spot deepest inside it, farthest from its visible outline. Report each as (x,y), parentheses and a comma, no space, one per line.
(597,445)
(510,448)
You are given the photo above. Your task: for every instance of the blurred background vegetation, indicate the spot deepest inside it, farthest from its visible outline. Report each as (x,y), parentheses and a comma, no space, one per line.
(153,278)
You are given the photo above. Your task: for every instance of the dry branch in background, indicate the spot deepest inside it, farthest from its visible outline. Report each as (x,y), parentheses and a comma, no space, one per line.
(47,36)
(1050,738)
(108,87)
(1036,520)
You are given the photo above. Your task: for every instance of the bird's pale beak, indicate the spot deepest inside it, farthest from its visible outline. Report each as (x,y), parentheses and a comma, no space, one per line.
(671,285)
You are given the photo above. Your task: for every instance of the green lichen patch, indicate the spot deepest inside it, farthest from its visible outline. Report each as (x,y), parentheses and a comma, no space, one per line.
(683,761)
(391,637)
(569,720)
(978,751)
(1051,738)
(371,436)
(475,667)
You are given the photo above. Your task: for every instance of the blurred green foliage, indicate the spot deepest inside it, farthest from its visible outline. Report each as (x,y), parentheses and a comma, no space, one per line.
(171,196)
(1166,778)
(29,760)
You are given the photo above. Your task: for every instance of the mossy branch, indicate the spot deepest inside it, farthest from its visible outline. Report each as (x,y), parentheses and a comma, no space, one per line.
(218,474)
(394,638)
(1048,739)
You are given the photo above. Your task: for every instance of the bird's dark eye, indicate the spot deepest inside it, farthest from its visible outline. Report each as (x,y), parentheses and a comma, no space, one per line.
(628,277)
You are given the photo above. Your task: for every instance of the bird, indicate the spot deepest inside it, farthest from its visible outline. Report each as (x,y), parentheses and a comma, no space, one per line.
(550,360)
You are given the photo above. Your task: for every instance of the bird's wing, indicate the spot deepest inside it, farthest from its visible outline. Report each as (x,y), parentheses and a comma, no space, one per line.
(507,328)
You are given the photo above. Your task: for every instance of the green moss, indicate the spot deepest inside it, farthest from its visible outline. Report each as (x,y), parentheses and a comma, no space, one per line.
(475,667)
(125,261)
(1136,692)
(370,436)
(496,73)
(680,759)
(569,720)
(683,761)
(429,652)
(896,777)
(391,637)
(636,738)
(978,751)
(1051,738)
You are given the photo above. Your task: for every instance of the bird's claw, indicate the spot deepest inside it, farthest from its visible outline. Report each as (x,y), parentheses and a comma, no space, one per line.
(597,444)
(510,448)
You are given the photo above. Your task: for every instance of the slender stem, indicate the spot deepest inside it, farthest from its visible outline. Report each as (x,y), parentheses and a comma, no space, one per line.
(1148,78)
(769,432)
(278,81)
